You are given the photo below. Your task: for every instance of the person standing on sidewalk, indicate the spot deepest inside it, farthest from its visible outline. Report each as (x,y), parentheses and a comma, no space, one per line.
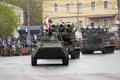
(116,37)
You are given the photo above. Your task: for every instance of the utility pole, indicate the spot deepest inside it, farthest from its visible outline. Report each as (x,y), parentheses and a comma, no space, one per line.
(118,4)
(78,16)
(28,27)
(77,12)
(118,20)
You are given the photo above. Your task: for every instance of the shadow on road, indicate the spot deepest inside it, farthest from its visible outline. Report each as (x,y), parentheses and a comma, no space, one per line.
(98,54)
(50,64)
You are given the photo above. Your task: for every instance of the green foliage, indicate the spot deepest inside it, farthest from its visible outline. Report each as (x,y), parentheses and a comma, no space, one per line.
(35,10)
(8,20)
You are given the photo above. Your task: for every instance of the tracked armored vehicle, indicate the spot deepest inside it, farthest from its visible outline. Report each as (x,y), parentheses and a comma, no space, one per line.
(97,39)
(68,35)
(49,46)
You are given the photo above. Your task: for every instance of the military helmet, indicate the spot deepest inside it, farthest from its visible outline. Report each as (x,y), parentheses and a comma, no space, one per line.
(68,26)
(61,26)
(53,26)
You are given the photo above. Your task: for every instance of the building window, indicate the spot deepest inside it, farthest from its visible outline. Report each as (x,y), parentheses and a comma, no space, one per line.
(105,22)
(55,7)
(92,24)
(92,5)
(79,7)
(68,7)
(105,4)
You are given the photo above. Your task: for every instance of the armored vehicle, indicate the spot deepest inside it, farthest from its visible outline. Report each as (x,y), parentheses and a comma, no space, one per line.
(49,46)
(97,39)
(119,37)
(68,36)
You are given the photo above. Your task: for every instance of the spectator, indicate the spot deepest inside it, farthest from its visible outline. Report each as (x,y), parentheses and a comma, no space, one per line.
(24,51)
(116,37)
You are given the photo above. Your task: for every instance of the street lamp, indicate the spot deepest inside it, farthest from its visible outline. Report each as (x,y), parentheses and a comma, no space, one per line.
(28,27)
(77,12)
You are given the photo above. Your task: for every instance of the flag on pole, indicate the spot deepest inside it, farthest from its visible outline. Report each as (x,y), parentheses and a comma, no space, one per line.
(47,22)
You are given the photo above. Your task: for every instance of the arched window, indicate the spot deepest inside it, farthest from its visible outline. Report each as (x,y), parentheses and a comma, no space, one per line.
(55,7)
(68,7)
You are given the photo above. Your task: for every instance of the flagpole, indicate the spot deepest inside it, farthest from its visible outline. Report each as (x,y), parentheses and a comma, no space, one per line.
(28,27)
(78,16)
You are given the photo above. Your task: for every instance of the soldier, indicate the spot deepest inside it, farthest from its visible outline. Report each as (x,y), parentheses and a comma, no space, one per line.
(4,51)
(17,51)
(69,26)
(45,36)
(8,46)
(116,37)
(39,35)
(59,36)
(61,27)
(78,35)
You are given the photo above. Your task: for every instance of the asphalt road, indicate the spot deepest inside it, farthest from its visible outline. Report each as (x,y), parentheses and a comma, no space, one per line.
(89,67)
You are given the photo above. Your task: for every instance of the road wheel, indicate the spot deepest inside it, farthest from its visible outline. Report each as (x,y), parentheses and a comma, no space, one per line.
(33,61)
(111,49)
(77,51)
(103,51)
(108,50)
(84,52)
(72,54)
(75,54)
(90,52)
(65,60)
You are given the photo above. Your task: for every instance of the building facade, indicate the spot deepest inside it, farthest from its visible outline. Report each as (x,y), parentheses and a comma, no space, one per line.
(86,12)
(19,13)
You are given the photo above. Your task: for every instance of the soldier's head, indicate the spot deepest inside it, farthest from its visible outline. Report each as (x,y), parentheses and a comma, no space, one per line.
(69,26)
(45,32)
(53,27)
(61,27)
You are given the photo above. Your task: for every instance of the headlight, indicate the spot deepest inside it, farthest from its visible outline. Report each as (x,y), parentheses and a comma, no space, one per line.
(101,27)
(90,27)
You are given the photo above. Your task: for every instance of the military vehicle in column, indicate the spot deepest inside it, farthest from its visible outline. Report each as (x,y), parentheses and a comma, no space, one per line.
(49,46)
(97,39)
(119,35)
(68,36)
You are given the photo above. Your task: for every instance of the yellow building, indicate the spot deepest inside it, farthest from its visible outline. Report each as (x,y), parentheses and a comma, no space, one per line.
(86,12)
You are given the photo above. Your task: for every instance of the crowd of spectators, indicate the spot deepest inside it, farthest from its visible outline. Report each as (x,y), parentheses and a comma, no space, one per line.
(14,47)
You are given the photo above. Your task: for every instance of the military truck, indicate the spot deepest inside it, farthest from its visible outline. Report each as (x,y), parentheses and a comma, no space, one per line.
(68,36)
(49,46)
(97,39)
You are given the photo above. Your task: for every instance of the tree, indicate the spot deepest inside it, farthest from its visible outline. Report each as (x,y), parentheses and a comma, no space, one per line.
(8,20)
(35,10)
